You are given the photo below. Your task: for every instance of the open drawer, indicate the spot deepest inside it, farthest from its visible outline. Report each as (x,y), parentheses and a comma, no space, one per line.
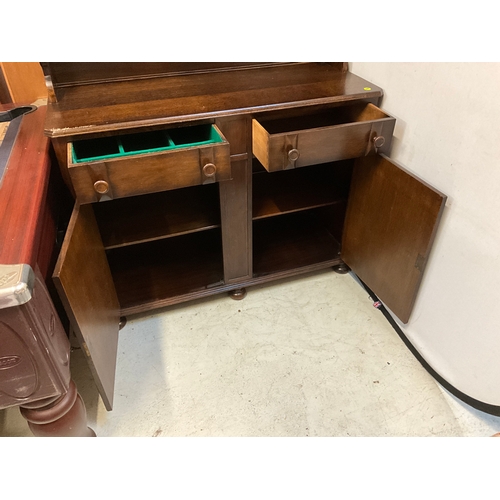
(336,134)
(132,164)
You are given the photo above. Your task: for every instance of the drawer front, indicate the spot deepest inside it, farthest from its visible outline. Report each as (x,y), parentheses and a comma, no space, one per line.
(117,167)
(339,134)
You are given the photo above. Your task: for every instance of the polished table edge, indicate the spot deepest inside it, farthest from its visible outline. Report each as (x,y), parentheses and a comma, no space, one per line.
(23,194)
(16,284)
(23,191)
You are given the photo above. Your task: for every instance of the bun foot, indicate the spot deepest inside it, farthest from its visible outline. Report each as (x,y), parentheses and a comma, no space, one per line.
(341,268)
(238,294)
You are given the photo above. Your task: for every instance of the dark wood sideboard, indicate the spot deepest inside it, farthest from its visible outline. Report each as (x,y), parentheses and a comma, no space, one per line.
(192,179)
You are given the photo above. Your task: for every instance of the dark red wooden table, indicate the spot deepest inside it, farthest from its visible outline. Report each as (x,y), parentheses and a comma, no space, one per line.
(34,347)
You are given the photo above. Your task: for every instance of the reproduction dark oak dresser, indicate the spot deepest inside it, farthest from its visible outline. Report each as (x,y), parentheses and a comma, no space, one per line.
(192,179)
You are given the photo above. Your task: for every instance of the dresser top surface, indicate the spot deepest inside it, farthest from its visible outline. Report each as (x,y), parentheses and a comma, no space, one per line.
(116,105)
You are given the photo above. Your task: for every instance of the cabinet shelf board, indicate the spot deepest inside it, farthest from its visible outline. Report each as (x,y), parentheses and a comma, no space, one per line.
(154,272)
(292,241)
(302,189)
(139,219)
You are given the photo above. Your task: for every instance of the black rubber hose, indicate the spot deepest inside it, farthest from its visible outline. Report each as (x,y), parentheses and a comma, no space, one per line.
(478,405)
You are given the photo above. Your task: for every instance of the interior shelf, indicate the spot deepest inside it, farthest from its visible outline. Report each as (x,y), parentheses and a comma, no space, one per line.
(293,241)
(289,191)
(139,219)
(164,269)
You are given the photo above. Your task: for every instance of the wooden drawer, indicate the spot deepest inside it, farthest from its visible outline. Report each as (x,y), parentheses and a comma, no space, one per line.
(119,166)
(335,134)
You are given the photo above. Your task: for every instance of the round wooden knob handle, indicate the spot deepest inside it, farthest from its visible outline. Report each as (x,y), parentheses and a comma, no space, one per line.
(209,170)
(293,154)
(378,141)
(101,187)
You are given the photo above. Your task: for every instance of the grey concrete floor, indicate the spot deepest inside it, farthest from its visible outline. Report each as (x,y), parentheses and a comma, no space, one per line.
(308,356)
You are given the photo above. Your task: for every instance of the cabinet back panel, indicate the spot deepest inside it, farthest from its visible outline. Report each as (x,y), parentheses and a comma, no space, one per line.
(292,241)
(152,273)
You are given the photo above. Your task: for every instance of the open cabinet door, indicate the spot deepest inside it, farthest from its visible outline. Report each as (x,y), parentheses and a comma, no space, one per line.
(391,220)
(83,280)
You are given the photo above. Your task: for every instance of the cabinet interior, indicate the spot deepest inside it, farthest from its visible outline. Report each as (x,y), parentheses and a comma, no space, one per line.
(340,115)
(298,216)
(163,270)
(164,246)
(139,219)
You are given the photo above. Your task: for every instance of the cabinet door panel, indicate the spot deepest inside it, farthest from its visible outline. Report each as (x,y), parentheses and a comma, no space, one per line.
(391,220)
(84,282)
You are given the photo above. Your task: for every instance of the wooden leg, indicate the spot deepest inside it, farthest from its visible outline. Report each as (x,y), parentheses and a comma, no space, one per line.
(64,417)
(238,294)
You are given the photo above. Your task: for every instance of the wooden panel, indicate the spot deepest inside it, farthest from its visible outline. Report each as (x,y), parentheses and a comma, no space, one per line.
(236,202)
(23,191)
(64,74)
(24,80)
(85,285)
(235,130)
(261,145)
(236,222)
(391,221)
(105,107)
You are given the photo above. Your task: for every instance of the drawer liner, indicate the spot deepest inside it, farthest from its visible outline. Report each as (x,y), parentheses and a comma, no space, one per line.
(143,142)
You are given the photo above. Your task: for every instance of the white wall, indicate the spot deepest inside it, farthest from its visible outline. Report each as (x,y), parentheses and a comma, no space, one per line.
(448,133)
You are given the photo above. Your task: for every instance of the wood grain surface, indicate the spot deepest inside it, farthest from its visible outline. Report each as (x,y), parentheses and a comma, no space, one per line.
(118,105)
(390,225)
(84,283)
(23,191)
